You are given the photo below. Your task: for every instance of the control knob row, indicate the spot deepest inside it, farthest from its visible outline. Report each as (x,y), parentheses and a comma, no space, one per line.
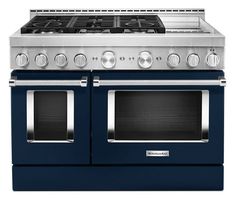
(108,60)
(193,60)
(145,60)
(173,60)
(41,60)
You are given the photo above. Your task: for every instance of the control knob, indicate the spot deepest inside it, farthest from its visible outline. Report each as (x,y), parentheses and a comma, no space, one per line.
(213,60)
(21,60)
(145,60)
(193,60)
(80,60)
(173,60)
(41,60)
(108,59)
(61,60)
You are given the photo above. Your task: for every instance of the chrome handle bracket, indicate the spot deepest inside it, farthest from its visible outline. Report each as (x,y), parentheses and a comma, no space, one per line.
(223,81)
(96,81)
(12,82)
(83,81)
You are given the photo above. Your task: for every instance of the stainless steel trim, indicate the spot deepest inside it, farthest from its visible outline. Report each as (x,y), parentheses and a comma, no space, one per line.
(204,125)
(205,115)
(157,153)
(94,60)
(83,81)
(96,81)
(223,81)
(15,82)
(30,118)
(30,115)
(169,11)
(111,114)
(12,82)
(117,40)
(157,141)
(70,115)
(212,82)
(50,141)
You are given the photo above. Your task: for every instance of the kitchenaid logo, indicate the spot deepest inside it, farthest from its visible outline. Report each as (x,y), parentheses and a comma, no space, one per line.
(157,153)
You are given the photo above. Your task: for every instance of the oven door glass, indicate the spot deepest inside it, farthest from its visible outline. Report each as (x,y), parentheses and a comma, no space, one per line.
(50,116)
(158,116)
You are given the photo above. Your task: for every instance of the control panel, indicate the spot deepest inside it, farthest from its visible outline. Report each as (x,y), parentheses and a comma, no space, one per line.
(117,58)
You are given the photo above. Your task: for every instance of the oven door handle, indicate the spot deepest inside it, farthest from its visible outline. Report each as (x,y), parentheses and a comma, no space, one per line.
(15,82)
(97,82)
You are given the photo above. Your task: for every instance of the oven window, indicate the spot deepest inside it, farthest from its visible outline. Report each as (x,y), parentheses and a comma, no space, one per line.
(158,115)
(48,115)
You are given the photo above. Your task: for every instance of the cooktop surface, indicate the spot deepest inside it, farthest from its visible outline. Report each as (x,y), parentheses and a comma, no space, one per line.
(94,24)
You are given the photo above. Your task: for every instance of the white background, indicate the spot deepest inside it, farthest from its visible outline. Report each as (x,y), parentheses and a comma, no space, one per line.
(14,14)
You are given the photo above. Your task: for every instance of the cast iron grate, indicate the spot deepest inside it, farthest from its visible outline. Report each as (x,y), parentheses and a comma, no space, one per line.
(94,24)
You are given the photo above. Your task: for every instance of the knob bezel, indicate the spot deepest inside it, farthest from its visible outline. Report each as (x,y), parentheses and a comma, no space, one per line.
(188,57)
(46,58)
(81,55)
(27,60)
(140,57)
(65,63)
(103,57)
(168,60)
(215,54)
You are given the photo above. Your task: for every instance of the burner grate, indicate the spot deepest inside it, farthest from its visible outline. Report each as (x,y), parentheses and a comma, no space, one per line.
(94,24)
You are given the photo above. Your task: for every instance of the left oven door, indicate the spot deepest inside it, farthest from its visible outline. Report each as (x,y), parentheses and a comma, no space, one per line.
(50,120)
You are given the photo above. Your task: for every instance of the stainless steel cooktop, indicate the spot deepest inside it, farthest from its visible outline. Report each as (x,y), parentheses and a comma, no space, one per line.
(154,39)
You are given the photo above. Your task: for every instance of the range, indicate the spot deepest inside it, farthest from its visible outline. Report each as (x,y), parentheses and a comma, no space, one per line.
(117,100)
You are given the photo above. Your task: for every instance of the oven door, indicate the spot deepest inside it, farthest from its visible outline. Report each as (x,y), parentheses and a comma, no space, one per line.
(157,117)
(50,118)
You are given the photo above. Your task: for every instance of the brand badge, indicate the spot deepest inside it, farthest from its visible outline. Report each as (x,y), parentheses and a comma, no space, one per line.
(156,153)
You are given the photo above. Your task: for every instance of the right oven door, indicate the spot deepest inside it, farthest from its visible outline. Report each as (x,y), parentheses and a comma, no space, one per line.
(154,120)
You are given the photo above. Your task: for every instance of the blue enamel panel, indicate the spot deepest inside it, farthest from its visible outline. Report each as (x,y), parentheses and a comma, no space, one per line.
(104,152)
(77,152)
